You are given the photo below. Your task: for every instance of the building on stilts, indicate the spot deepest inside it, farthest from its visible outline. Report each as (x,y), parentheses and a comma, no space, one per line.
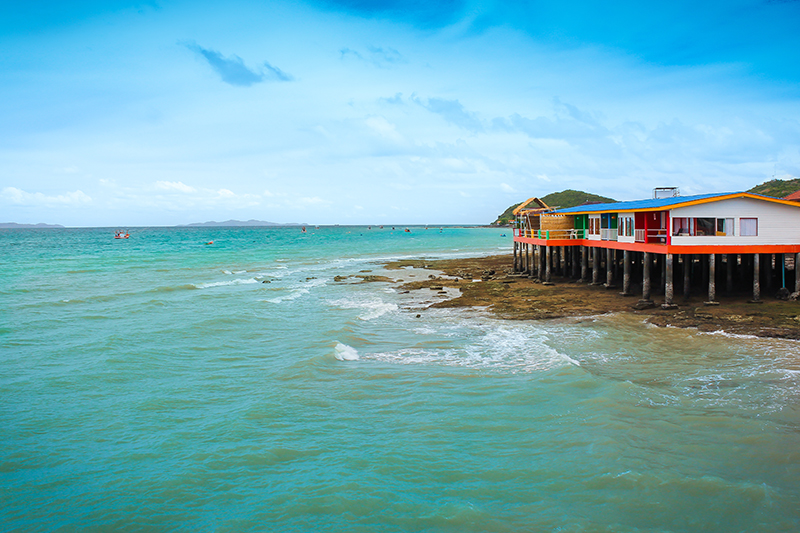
(739,241)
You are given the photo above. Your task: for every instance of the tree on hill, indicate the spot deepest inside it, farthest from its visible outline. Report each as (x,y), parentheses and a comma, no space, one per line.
(567,198)
(777,188)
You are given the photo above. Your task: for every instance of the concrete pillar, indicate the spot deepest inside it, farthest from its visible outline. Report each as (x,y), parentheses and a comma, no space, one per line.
(585,263)
(533,261)
(646,277)
(548,275)
(797,272)
(595,266)
(529,263)
(756,278)
(542,263)
(515,256)
(609,268)
(626,273)
(661,260)
(742,269)
(768,269)
(712,279)
(557,260)
(687,275)
(731,258)
(669,289)
(575,252)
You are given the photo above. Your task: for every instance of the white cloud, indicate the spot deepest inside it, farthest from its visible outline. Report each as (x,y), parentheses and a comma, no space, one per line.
(384,128)
(20,197)
(314,200)
(174,186)
(507,188)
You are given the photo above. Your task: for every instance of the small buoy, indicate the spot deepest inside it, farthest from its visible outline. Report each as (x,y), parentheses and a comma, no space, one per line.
(210,242)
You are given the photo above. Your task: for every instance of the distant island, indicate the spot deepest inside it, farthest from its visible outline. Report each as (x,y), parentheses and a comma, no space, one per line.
(14,225)
(230,223)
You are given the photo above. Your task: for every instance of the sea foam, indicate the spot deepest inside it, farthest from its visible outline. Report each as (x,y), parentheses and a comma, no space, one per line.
(372,308)
(343,352)
(224,283)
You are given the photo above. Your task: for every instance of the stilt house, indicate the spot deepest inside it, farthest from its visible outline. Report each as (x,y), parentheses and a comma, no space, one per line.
(745,231)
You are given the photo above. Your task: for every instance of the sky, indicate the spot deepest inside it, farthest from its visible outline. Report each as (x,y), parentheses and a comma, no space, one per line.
(166,112)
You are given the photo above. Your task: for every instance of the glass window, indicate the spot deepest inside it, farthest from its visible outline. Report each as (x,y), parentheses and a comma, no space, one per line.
(748,227)
(680,226)
(705,226)
(724,226)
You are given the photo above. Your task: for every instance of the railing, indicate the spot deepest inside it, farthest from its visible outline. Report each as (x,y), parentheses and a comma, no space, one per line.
(608,234)
(552,234)
(641,235)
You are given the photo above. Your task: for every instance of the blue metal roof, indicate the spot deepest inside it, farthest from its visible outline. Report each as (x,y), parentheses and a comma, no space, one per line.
(636,205)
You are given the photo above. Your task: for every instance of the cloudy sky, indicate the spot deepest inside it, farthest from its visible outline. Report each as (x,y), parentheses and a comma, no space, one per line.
(124,113)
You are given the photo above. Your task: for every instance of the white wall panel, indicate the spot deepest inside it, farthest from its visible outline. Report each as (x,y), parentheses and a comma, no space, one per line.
(777,223)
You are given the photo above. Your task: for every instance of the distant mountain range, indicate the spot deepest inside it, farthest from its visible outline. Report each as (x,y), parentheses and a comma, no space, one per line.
(229,223)
(13,225)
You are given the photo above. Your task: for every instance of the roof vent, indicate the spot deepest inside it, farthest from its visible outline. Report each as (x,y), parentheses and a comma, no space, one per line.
(666,192)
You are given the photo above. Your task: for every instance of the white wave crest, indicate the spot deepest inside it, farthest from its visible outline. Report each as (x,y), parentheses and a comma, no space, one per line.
(246,281)
(722,333)
(294,295)
(298,291)
(343,352)
(373,308)
(490,346)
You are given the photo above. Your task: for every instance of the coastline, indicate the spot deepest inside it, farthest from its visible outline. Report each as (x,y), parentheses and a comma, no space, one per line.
(514,297)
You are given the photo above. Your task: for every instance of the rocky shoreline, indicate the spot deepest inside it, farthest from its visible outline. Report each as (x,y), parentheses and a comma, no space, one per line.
(490,283)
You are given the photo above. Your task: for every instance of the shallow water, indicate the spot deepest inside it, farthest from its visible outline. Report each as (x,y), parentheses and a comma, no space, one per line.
(158,383)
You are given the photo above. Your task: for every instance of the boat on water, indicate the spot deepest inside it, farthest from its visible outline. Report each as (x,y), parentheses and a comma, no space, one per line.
(120,234)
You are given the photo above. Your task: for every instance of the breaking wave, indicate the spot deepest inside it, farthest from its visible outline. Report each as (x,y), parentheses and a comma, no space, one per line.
(343,352)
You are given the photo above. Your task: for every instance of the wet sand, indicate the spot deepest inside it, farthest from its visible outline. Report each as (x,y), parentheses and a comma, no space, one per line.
(490,283)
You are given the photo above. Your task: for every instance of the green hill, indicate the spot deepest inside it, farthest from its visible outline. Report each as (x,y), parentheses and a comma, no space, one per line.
(568,198)
(777,188)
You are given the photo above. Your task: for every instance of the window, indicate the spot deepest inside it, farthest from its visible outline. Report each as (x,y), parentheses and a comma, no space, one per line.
(724,226)
(703,226)
(748,227)
(680,226)
(594,225)
(626,226)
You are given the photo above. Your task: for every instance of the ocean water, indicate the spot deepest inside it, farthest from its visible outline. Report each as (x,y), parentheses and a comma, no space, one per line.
(159,383)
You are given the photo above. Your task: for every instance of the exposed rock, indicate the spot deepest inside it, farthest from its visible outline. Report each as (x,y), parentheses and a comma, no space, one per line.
(340,278)
(783,294)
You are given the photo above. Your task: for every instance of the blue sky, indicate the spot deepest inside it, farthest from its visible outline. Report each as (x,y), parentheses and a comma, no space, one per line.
(118,113)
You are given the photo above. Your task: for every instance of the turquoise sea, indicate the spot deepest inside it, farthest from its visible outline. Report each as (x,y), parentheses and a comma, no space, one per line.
(162,384)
